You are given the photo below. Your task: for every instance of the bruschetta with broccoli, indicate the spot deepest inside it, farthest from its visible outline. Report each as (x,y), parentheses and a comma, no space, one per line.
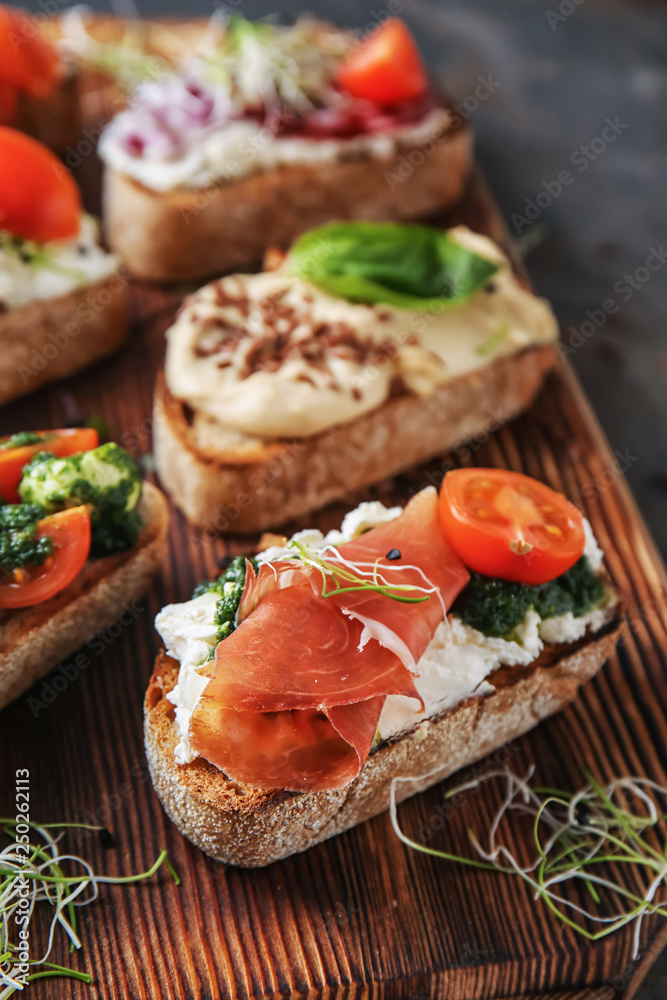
(81,534)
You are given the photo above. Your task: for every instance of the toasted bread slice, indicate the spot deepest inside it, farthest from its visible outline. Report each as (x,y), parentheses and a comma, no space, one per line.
(35,639)
(47,339)
(192,234)
(247,489)
(54,120)
(235,823)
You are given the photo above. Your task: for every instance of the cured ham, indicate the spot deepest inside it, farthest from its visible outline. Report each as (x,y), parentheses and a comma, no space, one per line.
(296,650)
(293,702)
(296,691)
(298,751)
(421,557)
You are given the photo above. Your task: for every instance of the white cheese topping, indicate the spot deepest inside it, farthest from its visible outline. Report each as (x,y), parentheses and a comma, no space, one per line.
(454,667)
(216,350)
(238,148)
(188,631)
(54,268)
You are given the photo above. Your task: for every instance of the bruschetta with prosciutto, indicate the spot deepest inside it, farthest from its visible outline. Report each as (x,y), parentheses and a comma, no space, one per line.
(409,642)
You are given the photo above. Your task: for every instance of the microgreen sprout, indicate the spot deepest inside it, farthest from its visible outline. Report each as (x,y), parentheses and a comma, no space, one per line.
(32,871)
(581,836)
(348,577)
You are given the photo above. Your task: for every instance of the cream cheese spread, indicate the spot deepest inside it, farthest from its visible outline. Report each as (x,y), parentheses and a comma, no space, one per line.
(272,356)
(455,666)
(49,270)
(241,147)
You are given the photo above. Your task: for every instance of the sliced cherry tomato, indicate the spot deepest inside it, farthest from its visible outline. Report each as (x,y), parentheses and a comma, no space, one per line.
(386,68)
(68,441)
(507,525)
(27,61)
(39,199)
(69,530)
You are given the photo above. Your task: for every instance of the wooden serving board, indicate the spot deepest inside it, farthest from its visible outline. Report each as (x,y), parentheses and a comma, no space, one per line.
(359,916)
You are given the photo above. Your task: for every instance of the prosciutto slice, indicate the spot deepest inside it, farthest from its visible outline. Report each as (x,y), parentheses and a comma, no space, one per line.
(297,650)
(299,750)
(423,559)
(296,691)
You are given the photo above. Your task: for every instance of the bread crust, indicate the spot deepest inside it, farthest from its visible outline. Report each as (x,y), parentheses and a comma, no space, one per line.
(244,493)
(33,640)
(47,339)
(54,120)
(183,235)
(237,824)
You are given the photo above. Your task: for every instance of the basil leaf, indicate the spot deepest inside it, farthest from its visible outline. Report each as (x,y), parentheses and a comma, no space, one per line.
(413,267)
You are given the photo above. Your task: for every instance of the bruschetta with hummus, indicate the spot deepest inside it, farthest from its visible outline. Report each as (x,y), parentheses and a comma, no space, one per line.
(80,538)
(38,85)
(371,348)
(63,302)
(275,132)
(295,687)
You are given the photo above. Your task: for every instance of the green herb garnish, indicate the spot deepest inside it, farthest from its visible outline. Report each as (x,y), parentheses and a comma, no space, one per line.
(291,69)
(494,340)
(589,836)
(348,577)
(37,872)
(37,256)
(496,607)
(413,267)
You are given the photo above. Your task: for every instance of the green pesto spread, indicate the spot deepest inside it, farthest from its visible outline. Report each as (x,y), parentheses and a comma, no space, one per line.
(496,607)
(19,546)
(229,585)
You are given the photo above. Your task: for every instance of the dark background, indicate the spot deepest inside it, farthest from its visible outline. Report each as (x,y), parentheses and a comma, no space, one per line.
(559,69)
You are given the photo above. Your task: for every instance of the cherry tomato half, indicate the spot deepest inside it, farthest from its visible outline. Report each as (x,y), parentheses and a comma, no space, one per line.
(507,525)
(69,530)
(68,441)
(39,199)
(386,67)
(27,61)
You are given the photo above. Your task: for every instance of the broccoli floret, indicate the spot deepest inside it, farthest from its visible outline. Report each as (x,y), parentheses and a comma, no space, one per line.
(18,545)
(106,479)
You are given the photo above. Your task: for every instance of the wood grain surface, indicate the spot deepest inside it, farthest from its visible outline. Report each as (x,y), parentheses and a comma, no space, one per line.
(358,916)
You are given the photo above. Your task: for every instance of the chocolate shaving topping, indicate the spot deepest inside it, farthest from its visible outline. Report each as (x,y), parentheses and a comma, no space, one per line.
(286,332)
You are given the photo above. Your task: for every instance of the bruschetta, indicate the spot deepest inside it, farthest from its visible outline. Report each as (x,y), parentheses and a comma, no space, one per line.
(274,133)
(63,300)
(80,538)
(373,347)
(38,86)
(409,643)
